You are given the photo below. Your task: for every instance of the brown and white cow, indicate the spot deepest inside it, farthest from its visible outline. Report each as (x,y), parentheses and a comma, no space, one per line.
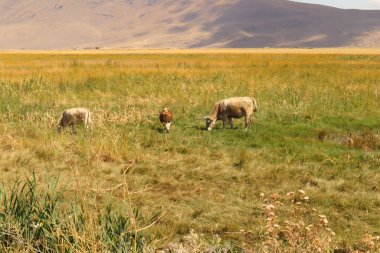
(166,118)
(75,116)
(229,108)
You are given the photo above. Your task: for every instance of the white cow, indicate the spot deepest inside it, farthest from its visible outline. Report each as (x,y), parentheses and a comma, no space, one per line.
(75,116)
(229,108)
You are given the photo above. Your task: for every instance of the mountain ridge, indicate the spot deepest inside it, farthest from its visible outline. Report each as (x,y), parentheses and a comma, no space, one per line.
(67,24)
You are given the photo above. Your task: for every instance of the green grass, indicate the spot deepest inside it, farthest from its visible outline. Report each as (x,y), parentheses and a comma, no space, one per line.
(206,181)
(35,221)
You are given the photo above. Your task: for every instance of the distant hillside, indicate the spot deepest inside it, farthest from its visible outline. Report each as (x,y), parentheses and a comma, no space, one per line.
(65,24)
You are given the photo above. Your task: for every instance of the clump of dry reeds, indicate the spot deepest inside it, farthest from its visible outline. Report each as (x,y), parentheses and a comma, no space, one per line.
(302,229)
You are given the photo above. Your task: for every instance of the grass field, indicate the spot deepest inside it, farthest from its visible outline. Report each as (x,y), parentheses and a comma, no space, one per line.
(317,129)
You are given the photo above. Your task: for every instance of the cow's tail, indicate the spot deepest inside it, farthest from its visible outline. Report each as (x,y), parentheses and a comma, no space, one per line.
(254,105)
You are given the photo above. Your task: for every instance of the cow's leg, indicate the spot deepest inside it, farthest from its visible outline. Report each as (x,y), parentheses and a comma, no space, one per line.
(85,123)
(72,128)
(89,121)
(230,121)
(250,120)
(224,118)
(167,126)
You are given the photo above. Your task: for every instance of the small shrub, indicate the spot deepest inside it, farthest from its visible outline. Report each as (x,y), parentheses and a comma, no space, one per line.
(369,243)
(243,160)
(195,243)
(322,135)
(366,140)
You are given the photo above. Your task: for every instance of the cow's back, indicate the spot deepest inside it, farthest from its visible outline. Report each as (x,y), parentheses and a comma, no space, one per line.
(166,116)
(239,101)
(76,114)
(238,106)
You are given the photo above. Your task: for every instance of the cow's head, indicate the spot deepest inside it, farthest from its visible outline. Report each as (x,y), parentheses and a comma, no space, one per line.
(210,122)
(59,128)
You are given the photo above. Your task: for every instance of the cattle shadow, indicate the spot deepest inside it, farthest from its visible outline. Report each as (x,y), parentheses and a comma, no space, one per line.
(160,130)
(157,129)
(225,129)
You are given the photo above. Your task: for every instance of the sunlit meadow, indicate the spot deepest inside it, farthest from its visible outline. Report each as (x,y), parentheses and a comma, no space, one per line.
(317,128)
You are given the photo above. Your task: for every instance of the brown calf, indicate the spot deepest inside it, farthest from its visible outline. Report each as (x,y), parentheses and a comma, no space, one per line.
(166,118)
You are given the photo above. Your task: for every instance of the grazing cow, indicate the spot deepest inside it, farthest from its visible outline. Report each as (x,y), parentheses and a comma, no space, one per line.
(229,108)
(166,117)
(75,116)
